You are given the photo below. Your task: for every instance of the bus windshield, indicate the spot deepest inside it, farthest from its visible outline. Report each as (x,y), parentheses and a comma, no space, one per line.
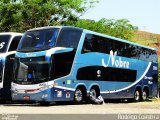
(38,40)
(4,40)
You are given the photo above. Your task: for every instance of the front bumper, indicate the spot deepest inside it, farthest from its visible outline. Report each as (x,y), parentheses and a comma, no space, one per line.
(39,96)
(49,95)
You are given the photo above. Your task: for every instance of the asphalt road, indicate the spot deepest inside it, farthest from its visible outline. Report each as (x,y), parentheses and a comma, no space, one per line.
(149,107)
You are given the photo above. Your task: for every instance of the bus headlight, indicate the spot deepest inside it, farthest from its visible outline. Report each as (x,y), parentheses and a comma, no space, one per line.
(45,87)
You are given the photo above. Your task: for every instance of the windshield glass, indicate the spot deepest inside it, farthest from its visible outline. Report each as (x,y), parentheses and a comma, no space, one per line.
(31,70)
(4,40)
(38,40)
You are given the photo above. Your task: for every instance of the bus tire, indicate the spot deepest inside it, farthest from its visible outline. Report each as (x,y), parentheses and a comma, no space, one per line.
(78,96)
(94,93)
(144,95)
(137,96)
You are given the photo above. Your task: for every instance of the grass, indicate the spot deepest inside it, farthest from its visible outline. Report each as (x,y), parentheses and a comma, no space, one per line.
(146,38)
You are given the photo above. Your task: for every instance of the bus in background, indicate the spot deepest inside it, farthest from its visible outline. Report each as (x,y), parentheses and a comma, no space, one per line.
(8,45)
(72,64)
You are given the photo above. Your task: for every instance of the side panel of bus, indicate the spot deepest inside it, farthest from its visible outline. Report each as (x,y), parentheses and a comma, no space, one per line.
(116,79)
(7,70)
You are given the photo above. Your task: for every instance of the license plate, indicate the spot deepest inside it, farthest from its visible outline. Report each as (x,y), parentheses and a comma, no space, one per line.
(26,97)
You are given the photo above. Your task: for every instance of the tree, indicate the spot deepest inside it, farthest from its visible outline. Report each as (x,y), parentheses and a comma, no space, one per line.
(118,28)
(21,15)
(123,29)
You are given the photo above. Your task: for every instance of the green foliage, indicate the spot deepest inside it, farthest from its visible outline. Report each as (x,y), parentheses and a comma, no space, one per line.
(118,28)
(20,15)
(159,74)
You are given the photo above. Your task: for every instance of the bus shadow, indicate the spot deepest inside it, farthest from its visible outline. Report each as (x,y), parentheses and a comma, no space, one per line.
(117,101)
(36,104)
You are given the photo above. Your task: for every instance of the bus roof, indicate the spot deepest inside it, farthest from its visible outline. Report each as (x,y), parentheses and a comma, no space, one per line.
(50,27)
(96,33)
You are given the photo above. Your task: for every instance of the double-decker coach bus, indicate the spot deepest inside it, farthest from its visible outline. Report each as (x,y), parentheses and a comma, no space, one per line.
(70,64)
(8,45)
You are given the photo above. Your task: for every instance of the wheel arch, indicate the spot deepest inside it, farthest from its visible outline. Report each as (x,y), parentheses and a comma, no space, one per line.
(138,87)
(96,87)
(80,84)
(83,87)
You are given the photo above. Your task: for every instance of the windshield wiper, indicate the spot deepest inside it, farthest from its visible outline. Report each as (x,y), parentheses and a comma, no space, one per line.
(45,48)
(28,49)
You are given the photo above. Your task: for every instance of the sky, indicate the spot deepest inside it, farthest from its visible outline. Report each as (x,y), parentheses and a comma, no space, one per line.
(142,13)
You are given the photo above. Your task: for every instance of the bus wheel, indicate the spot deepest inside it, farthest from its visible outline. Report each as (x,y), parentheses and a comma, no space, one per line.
(144,95)
(137,96)
(93,94)
(78,96)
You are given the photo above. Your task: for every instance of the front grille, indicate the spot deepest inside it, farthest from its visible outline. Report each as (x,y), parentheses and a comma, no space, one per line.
(33,59)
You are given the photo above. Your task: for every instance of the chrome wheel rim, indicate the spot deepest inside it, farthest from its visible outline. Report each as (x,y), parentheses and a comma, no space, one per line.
(78,95)
(144,95)
(137,96)
(93,94)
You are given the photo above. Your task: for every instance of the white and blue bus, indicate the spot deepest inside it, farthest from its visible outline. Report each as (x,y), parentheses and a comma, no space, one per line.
(8,45)
(63,63)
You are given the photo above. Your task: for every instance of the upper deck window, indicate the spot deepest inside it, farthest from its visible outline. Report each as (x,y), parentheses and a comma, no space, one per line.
(69,38)
(38,40)
(95,43)
(4,40)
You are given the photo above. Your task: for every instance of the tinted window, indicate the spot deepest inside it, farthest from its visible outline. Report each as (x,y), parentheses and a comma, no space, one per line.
(4,40)
(69,38)
(94,43)
(14,43)
(106,74)
(87,46)
(38,40)
(31,70)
